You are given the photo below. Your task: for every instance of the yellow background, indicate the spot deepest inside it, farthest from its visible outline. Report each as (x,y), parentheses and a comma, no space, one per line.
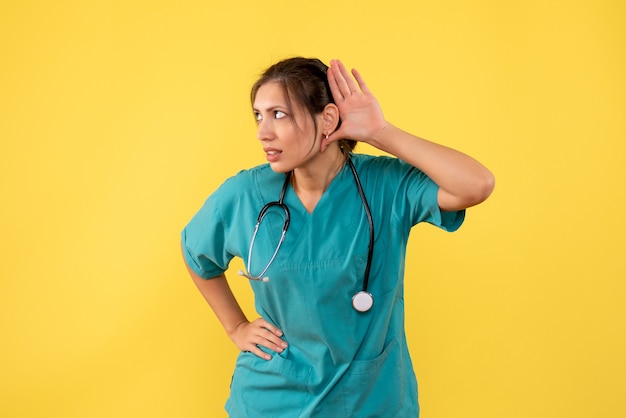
(118,118)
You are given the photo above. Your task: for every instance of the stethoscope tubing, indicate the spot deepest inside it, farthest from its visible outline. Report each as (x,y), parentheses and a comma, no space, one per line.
(280,203)
(362,300)
(370,221)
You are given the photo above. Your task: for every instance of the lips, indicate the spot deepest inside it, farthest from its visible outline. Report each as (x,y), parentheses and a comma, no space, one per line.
(272,154)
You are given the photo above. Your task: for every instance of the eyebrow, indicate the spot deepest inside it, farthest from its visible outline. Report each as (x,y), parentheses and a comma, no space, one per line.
(271,108)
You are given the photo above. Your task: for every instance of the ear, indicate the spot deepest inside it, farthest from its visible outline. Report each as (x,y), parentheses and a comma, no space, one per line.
(330,116)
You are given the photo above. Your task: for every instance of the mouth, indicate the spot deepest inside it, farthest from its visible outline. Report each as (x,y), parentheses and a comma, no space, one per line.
(272,154)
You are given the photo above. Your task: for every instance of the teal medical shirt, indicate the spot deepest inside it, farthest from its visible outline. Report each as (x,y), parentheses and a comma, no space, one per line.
(340,363)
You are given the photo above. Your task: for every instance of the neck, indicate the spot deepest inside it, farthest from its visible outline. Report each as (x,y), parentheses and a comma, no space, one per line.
(316,176)
(311,181)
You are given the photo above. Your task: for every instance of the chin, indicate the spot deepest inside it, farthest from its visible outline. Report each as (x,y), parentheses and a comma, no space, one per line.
(280,168)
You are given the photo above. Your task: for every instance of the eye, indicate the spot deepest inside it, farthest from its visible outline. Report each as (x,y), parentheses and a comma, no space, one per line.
(257,116)
(278,114)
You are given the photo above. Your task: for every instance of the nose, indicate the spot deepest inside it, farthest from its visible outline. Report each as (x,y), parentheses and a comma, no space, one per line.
(264,130)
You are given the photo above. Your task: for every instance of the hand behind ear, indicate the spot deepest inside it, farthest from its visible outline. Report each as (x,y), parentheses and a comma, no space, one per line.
(361,116)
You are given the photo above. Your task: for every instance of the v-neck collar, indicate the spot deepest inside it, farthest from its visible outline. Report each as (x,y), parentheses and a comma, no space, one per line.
(294,203)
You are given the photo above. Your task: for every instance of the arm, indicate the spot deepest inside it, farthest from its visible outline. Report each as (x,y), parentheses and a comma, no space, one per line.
(462,181)
(246,335)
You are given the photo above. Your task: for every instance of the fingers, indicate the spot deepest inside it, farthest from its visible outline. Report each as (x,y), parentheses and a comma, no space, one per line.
(333,81)
(266,335)
(270,327)
(345,83)
(341,84)
(361,82)
(260,333)
(358,108)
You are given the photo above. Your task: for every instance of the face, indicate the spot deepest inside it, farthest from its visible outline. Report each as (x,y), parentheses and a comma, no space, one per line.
(288,138)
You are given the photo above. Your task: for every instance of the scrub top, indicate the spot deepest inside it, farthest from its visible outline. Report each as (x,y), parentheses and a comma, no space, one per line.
(340,362)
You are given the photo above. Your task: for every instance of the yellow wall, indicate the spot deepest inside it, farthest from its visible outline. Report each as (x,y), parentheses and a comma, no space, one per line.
(118,118)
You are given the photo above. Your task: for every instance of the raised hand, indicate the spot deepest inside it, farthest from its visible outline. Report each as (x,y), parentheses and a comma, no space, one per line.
(248,336)
(361,116)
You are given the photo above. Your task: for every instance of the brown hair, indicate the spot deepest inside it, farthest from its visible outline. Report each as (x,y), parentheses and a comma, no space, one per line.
(304,81)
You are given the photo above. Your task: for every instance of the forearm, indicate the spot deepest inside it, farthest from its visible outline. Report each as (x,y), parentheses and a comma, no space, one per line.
(221,299)
(463,180)
(247,336)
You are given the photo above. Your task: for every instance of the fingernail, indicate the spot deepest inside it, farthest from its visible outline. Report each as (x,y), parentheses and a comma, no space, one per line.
(284,345)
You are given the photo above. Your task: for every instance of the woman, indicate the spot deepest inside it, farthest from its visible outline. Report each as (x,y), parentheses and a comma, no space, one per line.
(329,340)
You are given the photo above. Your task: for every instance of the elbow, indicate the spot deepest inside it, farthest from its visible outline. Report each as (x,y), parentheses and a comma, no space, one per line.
(476,189)
(483,188)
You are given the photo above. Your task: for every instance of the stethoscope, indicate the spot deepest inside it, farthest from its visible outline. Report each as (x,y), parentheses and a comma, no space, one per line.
(363,300)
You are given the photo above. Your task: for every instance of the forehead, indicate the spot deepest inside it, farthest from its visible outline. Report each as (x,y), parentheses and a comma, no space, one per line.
(269,95)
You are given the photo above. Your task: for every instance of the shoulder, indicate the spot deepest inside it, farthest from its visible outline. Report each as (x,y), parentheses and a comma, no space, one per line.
(248,175)
(390,179)
(381,167)
(246,188)
(247,179)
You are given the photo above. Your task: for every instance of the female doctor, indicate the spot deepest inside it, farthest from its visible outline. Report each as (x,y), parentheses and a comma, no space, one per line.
(322,232)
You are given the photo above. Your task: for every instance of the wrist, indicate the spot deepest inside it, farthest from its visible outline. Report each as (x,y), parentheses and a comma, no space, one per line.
(381,137)
(232,330)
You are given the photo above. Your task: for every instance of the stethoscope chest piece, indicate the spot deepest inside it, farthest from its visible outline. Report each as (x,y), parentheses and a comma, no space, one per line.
(362,301)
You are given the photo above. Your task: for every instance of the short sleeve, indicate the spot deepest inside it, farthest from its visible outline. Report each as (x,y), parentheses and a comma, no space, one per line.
(204,237)
(411,193)
(426,208)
